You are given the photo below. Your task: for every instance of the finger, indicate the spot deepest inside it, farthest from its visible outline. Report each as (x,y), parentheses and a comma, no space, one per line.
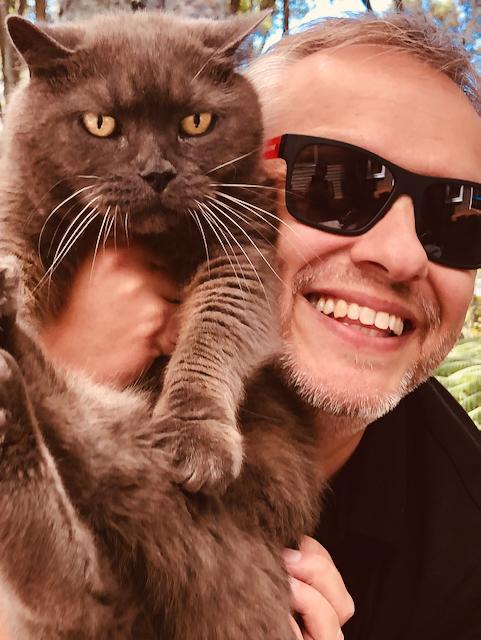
(320,619)
(169,334)
(310,545)
(318,571)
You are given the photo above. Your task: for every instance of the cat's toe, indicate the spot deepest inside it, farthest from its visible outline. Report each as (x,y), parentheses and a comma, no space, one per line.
(206,455)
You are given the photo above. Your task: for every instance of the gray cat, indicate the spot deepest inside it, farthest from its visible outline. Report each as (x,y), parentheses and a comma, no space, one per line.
(144,120)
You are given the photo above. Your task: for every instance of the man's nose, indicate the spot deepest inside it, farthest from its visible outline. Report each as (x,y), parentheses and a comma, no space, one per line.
(392,245)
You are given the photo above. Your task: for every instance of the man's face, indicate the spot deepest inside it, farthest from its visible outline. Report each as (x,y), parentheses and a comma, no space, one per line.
(401,109)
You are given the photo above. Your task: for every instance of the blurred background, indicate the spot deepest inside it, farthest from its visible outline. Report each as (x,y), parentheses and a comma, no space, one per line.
(461,372)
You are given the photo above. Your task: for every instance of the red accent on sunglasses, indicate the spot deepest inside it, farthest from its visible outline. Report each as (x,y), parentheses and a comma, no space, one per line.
(271,148)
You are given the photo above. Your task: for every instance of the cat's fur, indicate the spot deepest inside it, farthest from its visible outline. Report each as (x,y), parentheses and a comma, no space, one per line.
(97,540)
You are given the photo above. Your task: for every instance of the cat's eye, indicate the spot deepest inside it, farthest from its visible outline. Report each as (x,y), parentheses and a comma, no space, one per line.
(98,124)
(196,124)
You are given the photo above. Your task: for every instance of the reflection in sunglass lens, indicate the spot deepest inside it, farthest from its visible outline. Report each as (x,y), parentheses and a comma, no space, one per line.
(450,225)
(337,188)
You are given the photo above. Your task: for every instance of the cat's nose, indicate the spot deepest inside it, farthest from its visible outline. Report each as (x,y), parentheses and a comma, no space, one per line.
(158,180)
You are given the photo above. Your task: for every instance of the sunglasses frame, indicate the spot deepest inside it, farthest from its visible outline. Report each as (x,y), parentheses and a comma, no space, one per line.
(289,145)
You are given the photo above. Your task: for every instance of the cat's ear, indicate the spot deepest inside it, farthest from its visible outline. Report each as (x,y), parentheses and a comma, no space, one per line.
(226,36)
(45,47)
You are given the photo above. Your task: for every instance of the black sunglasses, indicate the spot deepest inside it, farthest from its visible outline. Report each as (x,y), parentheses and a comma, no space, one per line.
(339,188)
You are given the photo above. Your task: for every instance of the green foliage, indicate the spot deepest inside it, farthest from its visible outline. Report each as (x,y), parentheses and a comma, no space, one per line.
(460,373)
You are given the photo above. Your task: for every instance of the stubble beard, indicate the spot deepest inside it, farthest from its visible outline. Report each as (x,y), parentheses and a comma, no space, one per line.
(358,409)
(352,409)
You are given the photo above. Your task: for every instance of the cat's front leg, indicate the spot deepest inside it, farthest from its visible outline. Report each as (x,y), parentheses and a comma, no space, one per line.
(228,328)
(48,557)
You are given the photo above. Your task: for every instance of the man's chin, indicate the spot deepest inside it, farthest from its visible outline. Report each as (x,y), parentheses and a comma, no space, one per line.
(344,400)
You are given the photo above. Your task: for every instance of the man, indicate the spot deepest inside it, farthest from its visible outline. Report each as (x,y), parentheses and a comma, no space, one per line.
(367,315)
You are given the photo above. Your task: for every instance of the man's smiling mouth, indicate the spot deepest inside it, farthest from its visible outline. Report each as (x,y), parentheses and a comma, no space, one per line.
(374,323)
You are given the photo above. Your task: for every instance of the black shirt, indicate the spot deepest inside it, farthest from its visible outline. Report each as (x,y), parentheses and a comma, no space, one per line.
(403,523)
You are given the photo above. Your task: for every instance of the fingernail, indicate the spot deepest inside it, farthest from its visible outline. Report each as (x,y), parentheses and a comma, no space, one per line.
(291,556)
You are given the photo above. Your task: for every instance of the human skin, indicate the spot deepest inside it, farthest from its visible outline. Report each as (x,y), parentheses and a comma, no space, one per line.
(128,284)
(370,89)
(388,102)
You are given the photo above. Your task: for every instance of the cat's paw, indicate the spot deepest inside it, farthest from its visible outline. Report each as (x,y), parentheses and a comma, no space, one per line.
(9,288)
(206,454)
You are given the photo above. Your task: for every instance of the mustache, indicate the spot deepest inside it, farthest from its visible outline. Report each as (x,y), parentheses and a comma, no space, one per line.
(409,293)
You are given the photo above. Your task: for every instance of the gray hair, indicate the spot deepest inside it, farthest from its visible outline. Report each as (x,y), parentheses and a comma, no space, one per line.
(412,33)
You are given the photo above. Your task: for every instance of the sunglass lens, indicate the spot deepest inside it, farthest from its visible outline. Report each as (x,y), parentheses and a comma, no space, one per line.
(337,188)
(450,224)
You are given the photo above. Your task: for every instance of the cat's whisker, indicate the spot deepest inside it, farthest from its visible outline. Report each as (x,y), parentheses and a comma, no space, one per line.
(126,227)
(42,198)
(115,227)
(201,229)
(250,206)
(67,245)
(212,57)
(244,252)
(226,164)
(108,229)
(280,232)
(261,213)
(86,177)
(64,240)
(259,279)
(245,218)
(246,186)
(241,228)
(90,217)
(219,206)
(52,213)
(52,241)
(97,244)
(206,211)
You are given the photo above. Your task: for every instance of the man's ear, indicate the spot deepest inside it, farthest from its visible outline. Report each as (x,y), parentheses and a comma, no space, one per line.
(226,36)
(44,47)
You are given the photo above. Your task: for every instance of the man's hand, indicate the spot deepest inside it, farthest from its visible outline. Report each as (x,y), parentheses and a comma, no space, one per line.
(318,592)
(120,315)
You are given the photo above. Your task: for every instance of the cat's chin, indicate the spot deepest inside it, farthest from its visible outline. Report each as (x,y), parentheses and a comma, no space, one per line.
(154,220)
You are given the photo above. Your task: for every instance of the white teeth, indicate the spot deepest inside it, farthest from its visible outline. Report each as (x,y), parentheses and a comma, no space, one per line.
(398,327)
(353,311)
(382,320)
(329,306)
(367,316)
(339,308)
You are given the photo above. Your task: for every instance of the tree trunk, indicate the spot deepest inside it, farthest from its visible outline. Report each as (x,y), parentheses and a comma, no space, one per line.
(285,25)
(11,64)
(41,10)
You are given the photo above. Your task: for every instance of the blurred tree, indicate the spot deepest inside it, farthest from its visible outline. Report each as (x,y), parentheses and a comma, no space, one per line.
(74,9)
